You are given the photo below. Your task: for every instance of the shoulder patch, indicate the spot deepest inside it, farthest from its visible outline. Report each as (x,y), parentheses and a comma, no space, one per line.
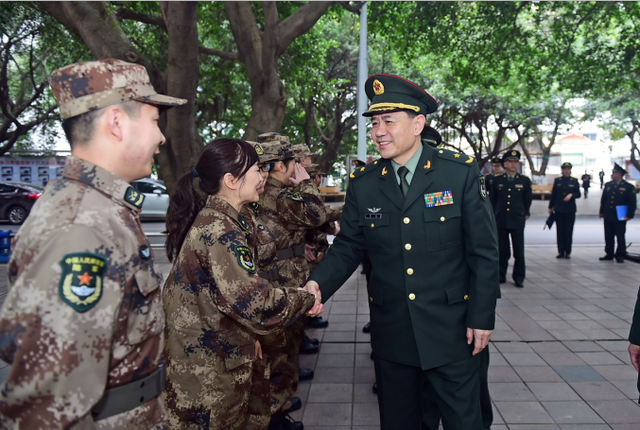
(295,196)
(245,258)
(81,281)
(134,197)
(483,187)
(455,156)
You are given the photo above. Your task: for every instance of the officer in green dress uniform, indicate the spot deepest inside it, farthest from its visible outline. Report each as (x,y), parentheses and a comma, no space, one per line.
(616,193)
(511,197)
(424,218)
(496,166)
(634,339)
(566,190)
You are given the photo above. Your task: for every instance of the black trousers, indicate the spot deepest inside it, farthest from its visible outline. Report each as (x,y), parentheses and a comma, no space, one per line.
(564,231)
(453,388)
(615,229)
(517,239)
(431,412)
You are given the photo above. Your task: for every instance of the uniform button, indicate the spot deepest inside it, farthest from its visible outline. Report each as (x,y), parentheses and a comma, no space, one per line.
(466,297)
(370,299)
(409,271)
(407,247)
(441,218)
(406,220)
(507,209)
(509,189)
(508,203)
(412,296)
(372,225)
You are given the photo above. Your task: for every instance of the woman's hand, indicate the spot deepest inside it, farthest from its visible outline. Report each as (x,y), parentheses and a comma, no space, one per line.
(258,349)
(299,174)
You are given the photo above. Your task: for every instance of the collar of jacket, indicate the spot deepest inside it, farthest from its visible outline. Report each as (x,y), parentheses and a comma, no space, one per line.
(106,182)
(421,180)
(220,205)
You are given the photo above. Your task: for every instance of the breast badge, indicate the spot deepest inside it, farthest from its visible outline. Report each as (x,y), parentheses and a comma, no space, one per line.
(81,281)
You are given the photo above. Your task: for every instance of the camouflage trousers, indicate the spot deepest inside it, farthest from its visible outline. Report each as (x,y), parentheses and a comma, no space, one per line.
(283,352)
(220,397)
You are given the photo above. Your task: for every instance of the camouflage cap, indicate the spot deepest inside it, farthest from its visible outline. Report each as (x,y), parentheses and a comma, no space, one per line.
(313,170)
(276,147)
(302,151)
(91,85)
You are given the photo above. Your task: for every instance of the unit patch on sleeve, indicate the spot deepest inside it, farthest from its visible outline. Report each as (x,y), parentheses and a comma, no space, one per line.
(245,258)
(295,196)
(440,198)
(81,281)
(483,187)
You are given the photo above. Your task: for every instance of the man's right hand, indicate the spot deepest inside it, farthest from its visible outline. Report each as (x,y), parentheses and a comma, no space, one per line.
(312,287)
(634,354)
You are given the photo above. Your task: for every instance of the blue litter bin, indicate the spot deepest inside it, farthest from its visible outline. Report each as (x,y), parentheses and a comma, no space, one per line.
(5,246)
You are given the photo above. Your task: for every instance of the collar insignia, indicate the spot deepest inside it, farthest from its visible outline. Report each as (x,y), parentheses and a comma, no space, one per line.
(145,252)
(384,170)
(133,197)
(352,174)
(428,165)
(243,223)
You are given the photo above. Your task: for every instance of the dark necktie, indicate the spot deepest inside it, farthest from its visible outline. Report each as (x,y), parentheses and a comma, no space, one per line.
(404,185)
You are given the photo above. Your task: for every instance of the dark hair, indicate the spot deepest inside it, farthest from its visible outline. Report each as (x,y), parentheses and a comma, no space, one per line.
(79,129)
(218,158)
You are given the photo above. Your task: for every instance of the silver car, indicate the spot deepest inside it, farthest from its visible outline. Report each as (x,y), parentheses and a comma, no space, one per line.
(156,200)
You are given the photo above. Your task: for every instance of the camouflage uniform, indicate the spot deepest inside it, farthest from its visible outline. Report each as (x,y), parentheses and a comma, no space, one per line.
(288,215)
(216,306)
(84,311)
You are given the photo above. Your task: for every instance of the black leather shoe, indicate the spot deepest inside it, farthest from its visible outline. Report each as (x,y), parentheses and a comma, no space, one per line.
(560,255)
(619,260)
(296,403)
(606,258)
(503,280)
(367,328)
(305,375)
(311,340)
(375,388)
(317,322)
(308,347)
(519,284)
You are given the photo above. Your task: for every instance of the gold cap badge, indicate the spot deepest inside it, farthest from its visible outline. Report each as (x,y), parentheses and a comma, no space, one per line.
(378,88)
(513,153)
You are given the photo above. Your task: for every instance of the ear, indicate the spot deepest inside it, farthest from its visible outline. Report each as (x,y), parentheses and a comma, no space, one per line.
(418,123)
(281,167)
(230,181)
(115,117)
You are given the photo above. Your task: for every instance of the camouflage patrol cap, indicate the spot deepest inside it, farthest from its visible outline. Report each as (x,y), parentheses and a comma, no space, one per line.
(259,150)
(313,170)
(91,85)
(390,93)
(276,147)
(302,151)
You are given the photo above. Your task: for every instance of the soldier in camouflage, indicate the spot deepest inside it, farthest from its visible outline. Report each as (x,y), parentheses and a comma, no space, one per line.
(82,323)
(288,214)
(216,303)
(303,155)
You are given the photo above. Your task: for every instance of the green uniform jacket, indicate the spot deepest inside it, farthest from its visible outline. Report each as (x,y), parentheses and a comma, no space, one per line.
(511,200)
(617,195)
(435,269)
(561,187)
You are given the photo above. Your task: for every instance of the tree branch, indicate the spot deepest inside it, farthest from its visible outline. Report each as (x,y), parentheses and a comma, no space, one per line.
(231,56)
(299,23)
(158,21)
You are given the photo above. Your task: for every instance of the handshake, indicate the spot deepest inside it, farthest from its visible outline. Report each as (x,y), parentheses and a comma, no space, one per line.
(313,288)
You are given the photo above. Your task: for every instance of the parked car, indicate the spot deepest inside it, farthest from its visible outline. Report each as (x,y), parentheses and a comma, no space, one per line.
(156,200)
(17,199)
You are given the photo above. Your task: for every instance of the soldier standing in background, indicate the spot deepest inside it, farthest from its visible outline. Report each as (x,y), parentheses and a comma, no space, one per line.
(496,166)
(82,323)
(511,196)
(563,202)
(617,192)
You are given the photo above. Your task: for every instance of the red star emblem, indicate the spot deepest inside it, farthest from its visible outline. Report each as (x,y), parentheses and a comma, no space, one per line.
(85,279)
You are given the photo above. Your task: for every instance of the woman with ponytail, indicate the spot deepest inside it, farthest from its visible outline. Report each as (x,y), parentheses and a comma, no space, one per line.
(216,303)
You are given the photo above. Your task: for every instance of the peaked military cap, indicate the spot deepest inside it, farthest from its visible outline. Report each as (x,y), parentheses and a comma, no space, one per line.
(511,155)
(431,136)
(358,163)
(496,160)
(618,168)
(91,85)
(390,93)
(566,164)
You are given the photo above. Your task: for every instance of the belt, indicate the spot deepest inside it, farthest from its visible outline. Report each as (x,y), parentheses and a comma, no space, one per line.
(270,275)
(294,251)
(121,399)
